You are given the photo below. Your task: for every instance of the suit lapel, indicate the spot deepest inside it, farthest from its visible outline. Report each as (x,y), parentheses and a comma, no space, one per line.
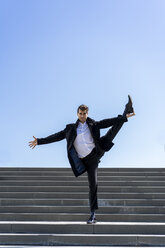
(90,125)
(73,133)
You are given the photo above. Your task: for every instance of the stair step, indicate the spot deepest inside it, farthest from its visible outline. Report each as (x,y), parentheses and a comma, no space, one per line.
(116,189)
(64,168)
(8,216)
(82,228)
(82,239)
(29,183)
(73,179)
(83,209)
(80,202)
(68,169)
(70,173)
(80,195)
(36,246)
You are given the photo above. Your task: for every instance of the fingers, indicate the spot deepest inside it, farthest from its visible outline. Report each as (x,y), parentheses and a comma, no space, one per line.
(32,146)
(33,143)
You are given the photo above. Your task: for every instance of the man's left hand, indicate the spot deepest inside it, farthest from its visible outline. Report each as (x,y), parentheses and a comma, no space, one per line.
(130,115)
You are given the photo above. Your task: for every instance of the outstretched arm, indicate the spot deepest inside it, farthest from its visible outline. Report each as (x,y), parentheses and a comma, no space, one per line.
(52,138)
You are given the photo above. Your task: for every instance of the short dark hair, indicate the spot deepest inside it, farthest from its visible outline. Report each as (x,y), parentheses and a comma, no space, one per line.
(82,107)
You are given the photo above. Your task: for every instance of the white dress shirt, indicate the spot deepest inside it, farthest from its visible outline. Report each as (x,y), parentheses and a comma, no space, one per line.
(83,143)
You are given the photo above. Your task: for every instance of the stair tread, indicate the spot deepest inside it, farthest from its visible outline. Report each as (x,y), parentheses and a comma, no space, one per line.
(82,223)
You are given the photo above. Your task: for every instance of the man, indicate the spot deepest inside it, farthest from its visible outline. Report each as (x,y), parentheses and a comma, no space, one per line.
(85,147)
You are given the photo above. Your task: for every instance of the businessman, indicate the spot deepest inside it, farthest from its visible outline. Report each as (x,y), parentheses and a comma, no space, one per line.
(85,147)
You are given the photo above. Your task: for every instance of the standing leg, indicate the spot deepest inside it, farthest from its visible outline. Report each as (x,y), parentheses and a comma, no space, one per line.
(91,163)
(92,180)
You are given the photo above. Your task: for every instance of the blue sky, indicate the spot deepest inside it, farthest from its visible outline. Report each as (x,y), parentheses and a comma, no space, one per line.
(58,54)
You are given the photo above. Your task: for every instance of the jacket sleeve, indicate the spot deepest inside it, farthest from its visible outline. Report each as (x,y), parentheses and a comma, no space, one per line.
(52,138)
(111,121)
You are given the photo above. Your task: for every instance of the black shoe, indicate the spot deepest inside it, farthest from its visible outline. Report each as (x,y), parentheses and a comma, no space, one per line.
(128,107)
(92,219)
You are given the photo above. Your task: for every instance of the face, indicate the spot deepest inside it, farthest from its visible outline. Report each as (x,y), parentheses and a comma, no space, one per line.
(82,115)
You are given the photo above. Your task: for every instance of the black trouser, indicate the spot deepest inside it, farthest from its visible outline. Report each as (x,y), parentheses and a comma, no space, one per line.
(91,162)
(118,123)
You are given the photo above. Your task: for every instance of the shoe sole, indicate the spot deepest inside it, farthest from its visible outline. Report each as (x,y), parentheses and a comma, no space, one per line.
(93,222)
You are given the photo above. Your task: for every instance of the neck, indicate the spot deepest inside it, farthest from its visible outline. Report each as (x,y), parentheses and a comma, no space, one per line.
(82,122)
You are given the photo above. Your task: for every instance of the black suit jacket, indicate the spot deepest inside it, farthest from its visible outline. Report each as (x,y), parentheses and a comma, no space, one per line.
(70,133)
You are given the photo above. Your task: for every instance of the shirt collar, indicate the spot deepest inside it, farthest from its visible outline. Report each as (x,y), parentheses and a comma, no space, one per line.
(82,124)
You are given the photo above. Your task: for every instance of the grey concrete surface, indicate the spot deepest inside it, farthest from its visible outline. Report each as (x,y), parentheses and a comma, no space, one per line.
(49,207)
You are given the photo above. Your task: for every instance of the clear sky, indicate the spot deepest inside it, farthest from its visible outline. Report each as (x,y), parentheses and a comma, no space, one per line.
(58,54)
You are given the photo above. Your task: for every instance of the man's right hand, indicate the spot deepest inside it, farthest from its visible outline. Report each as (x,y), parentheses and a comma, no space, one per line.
(33,143)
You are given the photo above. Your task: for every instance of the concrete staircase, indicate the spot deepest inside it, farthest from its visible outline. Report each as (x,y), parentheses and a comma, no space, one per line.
(49,207)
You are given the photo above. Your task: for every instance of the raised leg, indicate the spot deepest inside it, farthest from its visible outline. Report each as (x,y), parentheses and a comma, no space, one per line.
(106,140)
